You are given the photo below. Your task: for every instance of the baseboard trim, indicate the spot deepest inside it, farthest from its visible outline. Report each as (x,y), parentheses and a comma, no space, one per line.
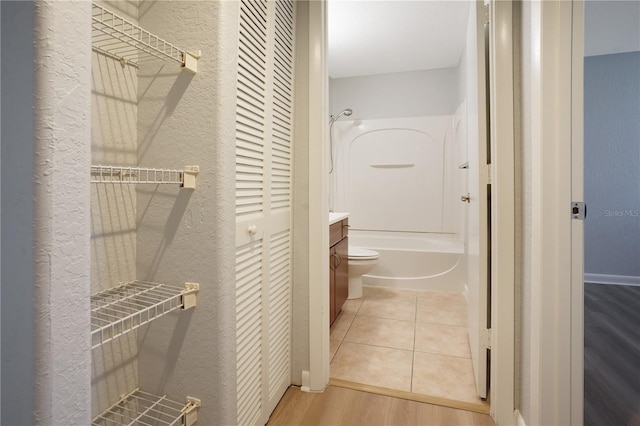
(612,279)
(518,419)
(434,400)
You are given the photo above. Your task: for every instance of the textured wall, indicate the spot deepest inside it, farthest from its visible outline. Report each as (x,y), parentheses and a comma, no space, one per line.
(612,164)
(113,210)
(407,94)
(62,105)
(17,213)
(188,235)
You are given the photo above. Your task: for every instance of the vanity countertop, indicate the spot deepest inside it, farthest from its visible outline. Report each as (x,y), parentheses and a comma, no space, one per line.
(337,217)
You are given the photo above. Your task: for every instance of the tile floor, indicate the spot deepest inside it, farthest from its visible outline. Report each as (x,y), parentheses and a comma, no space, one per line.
(405,340)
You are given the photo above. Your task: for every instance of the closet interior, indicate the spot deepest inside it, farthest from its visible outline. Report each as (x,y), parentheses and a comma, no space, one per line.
(146,143)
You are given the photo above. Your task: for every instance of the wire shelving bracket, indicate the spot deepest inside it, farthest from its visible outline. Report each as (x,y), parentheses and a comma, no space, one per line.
(132,175)
(124,308)
(116,36)
(142,408)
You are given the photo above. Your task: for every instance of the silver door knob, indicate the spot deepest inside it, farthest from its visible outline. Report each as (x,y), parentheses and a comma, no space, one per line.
(465,198)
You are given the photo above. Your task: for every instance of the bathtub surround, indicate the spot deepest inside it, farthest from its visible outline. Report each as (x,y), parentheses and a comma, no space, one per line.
(400,181)
(398,174)
(414,261)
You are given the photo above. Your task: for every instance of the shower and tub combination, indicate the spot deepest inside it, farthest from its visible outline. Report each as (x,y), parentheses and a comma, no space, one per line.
(400,182)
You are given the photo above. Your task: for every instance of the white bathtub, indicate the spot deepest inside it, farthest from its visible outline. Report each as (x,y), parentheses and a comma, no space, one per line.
(414,261)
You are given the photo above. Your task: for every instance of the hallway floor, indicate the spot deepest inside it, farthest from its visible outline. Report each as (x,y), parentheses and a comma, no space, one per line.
(405,340)
(341,407)
(611,354)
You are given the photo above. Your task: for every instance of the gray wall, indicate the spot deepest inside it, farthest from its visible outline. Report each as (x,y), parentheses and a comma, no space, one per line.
(406,94)
(611,27)
(612,164)
(17,213)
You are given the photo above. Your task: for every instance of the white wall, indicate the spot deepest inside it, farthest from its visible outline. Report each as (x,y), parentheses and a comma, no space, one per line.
(17,167)
(407,94)
(183,119)
(62,105)
(114,100)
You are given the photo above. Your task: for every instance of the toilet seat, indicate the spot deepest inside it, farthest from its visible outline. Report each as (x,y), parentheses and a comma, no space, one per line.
(359,253)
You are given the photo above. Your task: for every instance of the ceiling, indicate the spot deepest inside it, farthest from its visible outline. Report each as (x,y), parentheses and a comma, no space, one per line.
(379,37)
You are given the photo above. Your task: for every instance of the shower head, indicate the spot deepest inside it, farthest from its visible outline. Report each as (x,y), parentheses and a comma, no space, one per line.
(347,112)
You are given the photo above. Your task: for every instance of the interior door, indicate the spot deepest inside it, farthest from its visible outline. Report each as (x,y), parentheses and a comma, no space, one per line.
(577,225)
(479,209)
(264,129)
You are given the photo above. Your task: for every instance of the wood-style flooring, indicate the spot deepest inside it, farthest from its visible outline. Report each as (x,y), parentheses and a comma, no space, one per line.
(611,355)
(339,406)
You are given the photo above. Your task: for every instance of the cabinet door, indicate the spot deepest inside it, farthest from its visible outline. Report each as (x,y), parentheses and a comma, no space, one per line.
(342,274)
(332,285)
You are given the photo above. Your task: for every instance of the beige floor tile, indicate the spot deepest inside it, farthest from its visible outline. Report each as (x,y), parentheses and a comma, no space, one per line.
(387,293)
(442,339)
(442,308)
(385,332)
(444,376)
(442,297)
(352,305)
(341,325)
(373,365)
(334,344)
(403,308)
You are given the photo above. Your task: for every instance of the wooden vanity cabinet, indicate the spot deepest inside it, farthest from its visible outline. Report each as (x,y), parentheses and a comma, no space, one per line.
(338,267)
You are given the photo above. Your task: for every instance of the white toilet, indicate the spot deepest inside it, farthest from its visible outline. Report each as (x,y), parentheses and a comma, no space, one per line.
(361,261)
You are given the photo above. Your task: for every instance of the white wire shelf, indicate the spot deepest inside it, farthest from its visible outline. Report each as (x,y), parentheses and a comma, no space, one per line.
(116,36)
(133,175)
(122,309)
(142,408)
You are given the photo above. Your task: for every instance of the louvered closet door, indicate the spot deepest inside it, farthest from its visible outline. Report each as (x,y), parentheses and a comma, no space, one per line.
(264,126)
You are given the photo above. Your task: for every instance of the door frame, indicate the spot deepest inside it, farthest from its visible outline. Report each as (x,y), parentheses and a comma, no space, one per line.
(503,315)
(556,304)
(316,379)
(503,241)
(577,226)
